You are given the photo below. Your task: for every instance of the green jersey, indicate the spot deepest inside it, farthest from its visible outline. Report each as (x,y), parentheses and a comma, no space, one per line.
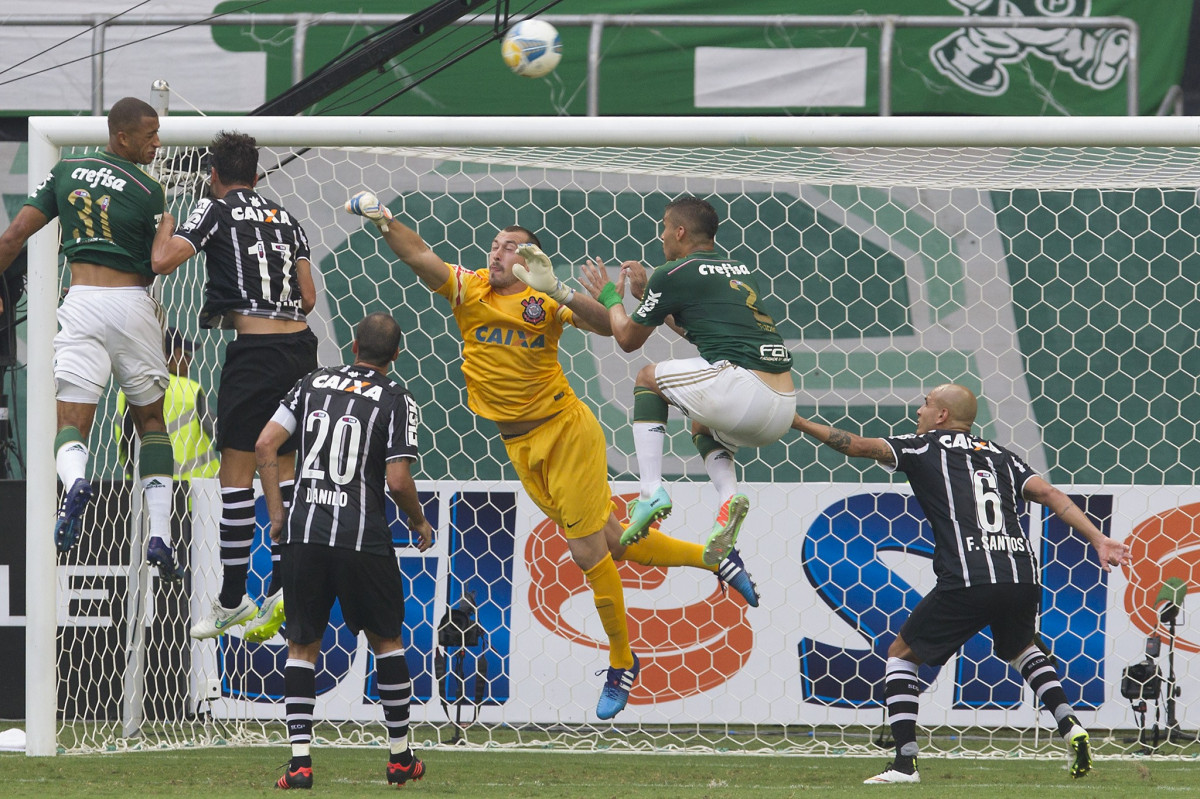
(108,210)
(716,300)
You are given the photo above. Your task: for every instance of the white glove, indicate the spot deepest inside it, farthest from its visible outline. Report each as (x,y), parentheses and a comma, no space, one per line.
(367,204)
(540,274)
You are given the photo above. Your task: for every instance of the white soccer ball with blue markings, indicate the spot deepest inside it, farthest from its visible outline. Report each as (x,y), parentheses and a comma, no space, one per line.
(532,48)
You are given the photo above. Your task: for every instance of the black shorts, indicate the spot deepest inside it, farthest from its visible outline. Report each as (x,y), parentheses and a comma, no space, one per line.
(946,619)
(369,588)
(259,370)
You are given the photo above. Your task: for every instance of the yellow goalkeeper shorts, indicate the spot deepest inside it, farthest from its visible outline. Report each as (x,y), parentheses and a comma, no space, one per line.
(563,468)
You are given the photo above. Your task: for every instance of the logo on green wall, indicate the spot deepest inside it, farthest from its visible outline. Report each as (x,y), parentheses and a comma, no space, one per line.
(977,58)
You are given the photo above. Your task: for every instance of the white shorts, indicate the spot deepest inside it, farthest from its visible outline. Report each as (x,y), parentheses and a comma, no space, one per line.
(109,332)
(740,409)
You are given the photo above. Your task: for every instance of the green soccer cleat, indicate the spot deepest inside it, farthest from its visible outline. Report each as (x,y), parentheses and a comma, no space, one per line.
(726,528)
(643,513)
(1082,750)
(267,621)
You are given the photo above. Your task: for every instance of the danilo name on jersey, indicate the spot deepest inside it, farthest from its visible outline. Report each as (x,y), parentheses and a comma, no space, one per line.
(327,496)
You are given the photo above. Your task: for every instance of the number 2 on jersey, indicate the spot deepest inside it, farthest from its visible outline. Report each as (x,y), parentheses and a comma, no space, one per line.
(764,320)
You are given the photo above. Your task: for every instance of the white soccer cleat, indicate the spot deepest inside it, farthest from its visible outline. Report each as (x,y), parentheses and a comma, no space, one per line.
(890,776)
(367,205)
(222,619)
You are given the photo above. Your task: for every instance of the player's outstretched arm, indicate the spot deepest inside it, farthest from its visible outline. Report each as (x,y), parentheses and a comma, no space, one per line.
(403,240)
(404,494)
(1112,553)
(846,443)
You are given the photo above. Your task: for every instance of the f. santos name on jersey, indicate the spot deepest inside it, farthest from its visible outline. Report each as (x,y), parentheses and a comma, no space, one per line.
(365,388)
(998,543)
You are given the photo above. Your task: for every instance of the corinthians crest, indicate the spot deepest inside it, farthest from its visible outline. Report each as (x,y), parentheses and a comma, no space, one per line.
(534,313)
(976,58)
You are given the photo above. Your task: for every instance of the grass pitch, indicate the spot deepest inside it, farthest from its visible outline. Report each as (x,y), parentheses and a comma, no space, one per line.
(220,772)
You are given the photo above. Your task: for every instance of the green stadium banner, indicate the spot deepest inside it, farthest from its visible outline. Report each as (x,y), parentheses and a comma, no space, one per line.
(767,69)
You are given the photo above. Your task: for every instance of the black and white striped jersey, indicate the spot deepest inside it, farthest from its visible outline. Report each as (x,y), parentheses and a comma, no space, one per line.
(251,246)
(970,490)
(351,421)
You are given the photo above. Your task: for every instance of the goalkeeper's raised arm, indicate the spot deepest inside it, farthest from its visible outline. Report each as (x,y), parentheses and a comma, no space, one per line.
(403,240)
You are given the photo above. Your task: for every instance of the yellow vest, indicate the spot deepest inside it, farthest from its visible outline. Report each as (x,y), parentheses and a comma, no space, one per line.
(190,445)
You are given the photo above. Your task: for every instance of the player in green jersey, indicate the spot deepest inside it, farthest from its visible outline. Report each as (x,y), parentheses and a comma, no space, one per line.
(739,392)
(110,326)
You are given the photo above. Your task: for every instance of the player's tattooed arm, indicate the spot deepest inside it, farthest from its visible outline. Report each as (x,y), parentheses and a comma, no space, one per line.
(839,440)
(846,443)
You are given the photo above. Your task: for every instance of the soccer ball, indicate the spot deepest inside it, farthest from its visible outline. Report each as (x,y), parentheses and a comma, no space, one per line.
(532,48)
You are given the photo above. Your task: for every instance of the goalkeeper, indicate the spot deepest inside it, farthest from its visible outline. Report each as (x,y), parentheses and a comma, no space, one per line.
(553,439)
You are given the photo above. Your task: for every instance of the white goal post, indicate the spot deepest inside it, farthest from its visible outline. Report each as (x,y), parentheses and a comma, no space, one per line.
(1040,260)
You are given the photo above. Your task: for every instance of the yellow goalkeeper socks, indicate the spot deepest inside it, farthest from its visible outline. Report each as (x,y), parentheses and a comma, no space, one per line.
(610,604)
(660,549)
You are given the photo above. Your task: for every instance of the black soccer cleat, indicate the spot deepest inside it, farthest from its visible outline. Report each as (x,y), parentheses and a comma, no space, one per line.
(398,774)
(69,520)
(296,778)
(162,557)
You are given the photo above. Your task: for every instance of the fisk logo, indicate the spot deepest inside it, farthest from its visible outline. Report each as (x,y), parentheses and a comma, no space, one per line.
(684,650)
(651,300)
(1165,545)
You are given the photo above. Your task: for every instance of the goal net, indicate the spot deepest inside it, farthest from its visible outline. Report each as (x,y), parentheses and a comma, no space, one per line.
(1048,265)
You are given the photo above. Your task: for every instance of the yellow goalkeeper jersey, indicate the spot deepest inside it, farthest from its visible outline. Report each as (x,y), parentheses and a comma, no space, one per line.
(510,348)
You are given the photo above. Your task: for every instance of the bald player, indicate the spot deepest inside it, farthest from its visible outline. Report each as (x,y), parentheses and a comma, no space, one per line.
(987,574)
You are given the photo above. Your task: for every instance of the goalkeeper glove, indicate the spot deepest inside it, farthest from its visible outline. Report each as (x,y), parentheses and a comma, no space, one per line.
(539,276)
(367,204)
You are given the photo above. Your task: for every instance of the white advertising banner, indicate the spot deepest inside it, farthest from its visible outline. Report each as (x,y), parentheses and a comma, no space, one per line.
(838,566)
